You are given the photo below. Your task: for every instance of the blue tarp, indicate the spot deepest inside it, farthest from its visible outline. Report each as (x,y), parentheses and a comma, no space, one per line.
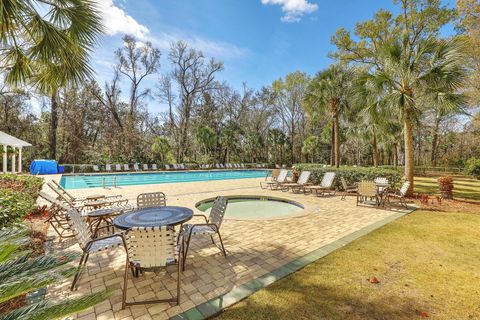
(44,167)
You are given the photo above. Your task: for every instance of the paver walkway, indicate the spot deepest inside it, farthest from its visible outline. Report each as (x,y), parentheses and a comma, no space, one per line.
(255,249)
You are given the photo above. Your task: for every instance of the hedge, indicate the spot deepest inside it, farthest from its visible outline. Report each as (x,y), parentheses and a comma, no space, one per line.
(18,195)
(351,174)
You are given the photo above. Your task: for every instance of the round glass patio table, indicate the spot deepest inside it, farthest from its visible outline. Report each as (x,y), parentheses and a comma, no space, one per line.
(153,217)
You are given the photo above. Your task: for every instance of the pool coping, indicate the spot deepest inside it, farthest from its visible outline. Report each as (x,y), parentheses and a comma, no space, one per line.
(216,305)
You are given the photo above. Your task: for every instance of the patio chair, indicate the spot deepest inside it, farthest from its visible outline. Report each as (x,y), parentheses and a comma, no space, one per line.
(145,167)
(210,227)
(347,188)
(400,194)
(217,165)
(136,167)
(222,166)
(175,167)
(181,166)
(88,242)
(57,216)
(154,167)
(152,199)
(326,185)
(382,183)
(167,167)
(367,190)
(272,176)
(118,167)
(126,167)
(108,167)
(151,249)
(275,184)
(69,198)
(301,183)
(96,168)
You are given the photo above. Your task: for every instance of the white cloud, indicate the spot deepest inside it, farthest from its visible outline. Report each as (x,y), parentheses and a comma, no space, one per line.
(117,21)
(293,9)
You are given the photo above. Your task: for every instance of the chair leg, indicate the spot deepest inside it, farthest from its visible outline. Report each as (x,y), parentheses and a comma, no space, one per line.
(77,275)
(213,241)
(179,271)
(125,278)
(221,243)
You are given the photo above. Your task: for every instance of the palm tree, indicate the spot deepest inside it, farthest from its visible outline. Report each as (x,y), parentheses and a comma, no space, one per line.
(329,91)
(206,137)
(405,79)
(48,51)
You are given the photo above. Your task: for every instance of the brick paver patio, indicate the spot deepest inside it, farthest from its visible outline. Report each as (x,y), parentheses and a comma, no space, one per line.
(255,248)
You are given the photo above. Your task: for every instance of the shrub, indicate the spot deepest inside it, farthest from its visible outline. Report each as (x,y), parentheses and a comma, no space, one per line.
(351,174)
(18,195)
(472,167)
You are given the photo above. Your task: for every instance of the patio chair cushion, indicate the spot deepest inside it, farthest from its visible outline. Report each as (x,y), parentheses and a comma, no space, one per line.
(198,229)
(103,244)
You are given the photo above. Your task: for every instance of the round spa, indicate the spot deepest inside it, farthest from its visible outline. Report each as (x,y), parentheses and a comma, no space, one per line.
(248,207)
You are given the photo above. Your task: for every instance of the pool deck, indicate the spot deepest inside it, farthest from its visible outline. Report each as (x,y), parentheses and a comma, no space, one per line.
(259,252)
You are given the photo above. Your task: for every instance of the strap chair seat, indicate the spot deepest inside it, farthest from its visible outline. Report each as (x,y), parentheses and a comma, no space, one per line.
(326,185)
(367,190)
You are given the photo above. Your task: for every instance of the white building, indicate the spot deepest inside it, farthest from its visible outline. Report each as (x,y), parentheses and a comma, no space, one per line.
(16,144)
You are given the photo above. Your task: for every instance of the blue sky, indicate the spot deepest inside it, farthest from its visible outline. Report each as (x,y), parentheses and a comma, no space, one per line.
(258,40)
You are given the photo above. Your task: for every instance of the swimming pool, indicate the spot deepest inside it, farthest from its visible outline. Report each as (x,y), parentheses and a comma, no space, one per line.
(249,207)
(133,179)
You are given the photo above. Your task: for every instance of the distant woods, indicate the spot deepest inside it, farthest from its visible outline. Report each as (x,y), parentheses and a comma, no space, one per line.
(385,101)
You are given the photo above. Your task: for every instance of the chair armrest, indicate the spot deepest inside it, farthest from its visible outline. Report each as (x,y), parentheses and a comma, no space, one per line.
(201,215)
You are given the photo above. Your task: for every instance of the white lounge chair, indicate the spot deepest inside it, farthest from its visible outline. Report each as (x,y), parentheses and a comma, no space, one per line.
(145,167)
(126,167)
(276,184)
(154,166)
(135,167)
(108,167)
(301,183)
(96,168)
(118,167)
(326,185)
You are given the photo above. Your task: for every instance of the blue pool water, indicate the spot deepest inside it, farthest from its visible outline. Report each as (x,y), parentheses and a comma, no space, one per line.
(134,179)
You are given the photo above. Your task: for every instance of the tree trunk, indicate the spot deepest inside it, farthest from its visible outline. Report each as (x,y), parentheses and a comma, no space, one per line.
(53,126)
(375,149)
(409,154)
(395,155)
(337,138)
(332,150)
(433,155)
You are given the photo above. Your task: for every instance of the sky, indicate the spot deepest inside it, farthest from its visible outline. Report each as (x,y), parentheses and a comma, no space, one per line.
(258,40)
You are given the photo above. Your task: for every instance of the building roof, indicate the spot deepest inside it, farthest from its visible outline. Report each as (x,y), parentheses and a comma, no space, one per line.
(8,140)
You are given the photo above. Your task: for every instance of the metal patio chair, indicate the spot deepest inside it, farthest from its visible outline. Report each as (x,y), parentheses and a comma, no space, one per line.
(152,199)
(301,183)
(400,194)
(87,241)
(96,168)
(57,216)
(210,227)
(326,185)
(145,167)
(367,190)
(154,167)
(149,249)
(347,188)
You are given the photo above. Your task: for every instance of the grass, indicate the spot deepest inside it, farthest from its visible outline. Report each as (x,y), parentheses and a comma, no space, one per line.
(426,262)
(464,187)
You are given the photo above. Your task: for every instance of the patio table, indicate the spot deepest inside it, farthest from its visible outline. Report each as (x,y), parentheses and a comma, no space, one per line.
(153,217)
(382,189)
(98,216)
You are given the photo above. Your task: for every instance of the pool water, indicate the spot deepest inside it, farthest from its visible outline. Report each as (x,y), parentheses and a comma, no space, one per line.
(133,179)
(255,207)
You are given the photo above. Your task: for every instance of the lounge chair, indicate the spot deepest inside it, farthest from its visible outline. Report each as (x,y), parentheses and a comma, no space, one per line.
(217,165)
(136,167)
(57,216)
(399,194)
(347,189)
(118,167)
(151,248)
(326,185)
(96,168)
(182,166)
(74,201)
(367,190)
(108,167)
(276,184)
(145,167)
(210,227)
(154,167)
(152,199)
(301,183)
(88,241)
(175,167)
(126,167)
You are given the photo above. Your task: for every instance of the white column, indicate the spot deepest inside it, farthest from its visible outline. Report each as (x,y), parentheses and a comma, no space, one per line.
(13,160)
(20,160)
(5,159)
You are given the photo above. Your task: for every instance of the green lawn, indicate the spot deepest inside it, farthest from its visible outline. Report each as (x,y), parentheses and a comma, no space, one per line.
(464,187)
(426,262)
